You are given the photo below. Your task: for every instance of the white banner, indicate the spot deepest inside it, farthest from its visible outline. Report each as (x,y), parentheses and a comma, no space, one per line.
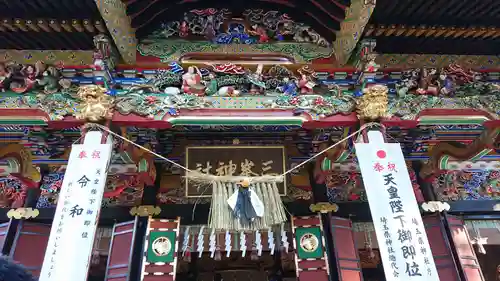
(75,222)
(401,235)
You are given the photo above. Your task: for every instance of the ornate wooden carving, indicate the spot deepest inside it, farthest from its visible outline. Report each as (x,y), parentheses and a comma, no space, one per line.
(446,150)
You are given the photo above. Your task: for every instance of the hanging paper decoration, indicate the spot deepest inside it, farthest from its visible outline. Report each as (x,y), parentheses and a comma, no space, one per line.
(211,244)
(258,243)
(228,243)
(243,244)
(284,239)
(185,241)
(201,241)
(270,240)
(479,241)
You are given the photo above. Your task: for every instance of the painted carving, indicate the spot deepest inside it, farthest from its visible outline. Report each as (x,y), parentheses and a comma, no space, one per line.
(280,88)
(467,185)
(445,151)
(220,26)
(121,190)
(373,104)
(104,53)
(96,104)
(452,80)
(40,78)
(348,186)
(23,159)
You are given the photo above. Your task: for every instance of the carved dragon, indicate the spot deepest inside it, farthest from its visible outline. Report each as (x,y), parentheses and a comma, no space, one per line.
(460,151)
(27,172)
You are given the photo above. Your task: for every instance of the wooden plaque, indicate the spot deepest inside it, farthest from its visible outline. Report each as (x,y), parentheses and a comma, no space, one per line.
(248,161)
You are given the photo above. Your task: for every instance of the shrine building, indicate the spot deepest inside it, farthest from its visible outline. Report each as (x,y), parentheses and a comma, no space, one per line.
(196,140)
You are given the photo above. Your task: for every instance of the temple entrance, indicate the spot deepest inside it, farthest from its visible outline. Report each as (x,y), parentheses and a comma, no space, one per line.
(252,267)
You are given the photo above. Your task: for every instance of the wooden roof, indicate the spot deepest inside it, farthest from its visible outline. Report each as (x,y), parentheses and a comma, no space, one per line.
(436,27)
(49,24)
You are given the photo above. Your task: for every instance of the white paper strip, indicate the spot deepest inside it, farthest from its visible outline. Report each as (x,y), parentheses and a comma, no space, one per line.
(75,222)
(401,235)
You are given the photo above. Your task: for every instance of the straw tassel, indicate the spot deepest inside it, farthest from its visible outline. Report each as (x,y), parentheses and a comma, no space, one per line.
(223,218)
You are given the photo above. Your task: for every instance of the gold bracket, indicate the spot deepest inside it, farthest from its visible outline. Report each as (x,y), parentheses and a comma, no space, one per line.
(324,207)
(145,211)
(23,213)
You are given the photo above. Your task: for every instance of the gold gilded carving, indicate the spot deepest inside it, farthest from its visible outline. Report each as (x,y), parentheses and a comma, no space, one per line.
(373,104)
(324,207)
(23,213)
(145,211)
(96,105)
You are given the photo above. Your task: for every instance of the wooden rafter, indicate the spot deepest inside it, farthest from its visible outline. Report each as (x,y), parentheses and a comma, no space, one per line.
(51,25)
(118,23)
(431,31)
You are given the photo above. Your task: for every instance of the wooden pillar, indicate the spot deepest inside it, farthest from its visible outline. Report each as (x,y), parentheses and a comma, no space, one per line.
(148,198)
(320,195)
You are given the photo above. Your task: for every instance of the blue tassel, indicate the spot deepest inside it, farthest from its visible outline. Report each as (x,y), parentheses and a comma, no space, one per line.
(244,209)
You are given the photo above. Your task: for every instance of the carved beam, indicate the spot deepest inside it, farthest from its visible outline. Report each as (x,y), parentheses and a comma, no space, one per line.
(118,23)
(357,16)
(442,153)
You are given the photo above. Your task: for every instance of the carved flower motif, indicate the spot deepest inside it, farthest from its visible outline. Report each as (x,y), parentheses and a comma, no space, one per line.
(151,99)
(319,101)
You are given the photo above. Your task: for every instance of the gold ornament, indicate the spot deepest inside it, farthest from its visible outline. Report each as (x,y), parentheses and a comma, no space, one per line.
(145,211)
(323,207)
(373,104)
(95,104)
(309,242)
(23,213)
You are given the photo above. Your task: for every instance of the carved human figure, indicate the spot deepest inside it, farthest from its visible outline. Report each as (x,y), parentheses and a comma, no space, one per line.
(183,29)
(98,59)
(261,32)
(5,75)
(289,88)
(191,82)
(305,85)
